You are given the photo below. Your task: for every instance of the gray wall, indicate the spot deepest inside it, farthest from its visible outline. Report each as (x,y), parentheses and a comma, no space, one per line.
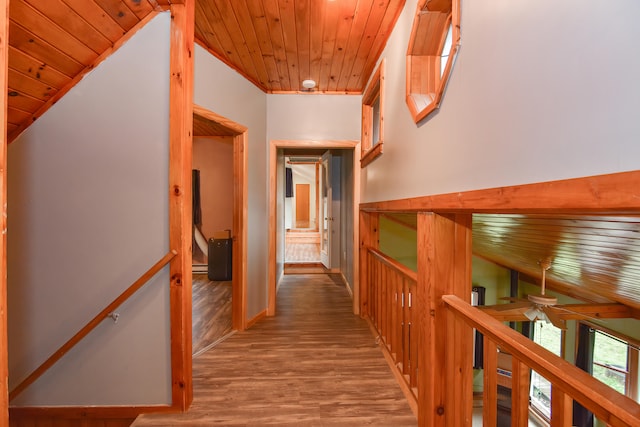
(318,118)
(225,92)
(541,90)
(88,214)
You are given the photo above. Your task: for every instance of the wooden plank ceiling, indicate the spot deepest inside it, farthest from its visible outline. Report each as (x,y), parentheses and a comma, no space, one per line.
(273,43)
(277,44)
(593,258)
(53,43)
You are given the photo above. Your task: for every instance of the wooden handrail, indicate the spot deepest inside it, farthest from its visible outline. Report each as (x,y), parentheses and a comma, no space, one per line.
(402,269)
(606,403)
(57,355)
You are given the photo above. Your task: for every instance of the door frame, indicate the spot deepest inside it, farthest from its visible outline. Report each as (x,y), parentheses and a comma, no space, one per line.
(274,146)
(220,125)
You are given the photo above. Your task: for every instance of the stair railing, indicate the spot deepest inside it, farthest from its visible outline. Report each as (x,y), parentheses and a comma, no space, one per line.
(90,326)
(568,382)
(391,290)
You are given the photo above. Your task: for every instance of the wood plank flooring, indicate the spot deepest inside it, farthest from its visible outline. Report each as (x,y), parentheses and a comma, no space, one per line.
(302,246)
(211,311)
(313,364)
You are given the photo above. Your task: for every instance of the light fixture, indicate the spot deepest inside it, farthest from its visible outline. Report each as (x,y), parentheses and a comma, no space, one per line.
(308,84)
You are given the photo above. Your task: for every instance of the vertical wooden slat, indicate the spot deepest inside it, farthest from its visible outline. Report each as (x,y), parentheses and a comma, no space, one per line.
(393,332)
(384,282)
(378,301)
(561,408)
(519,393)
(180,159)
(490,384)
(414,338)
(4,372)
(406,331)
(444,254)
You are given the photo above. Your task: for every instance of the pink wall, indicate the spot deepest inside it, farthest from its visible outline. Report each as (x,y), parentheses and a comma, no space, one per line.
(214,158)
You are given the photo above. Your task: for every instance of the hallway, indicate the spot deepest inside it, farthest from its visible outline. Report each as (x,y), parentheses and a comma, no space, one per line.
(313,364)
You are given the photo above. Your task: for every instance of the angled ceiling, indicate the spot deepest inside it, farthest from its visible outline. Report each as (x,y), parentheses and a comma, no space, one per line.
(53,43)
(273,43)
(277,44)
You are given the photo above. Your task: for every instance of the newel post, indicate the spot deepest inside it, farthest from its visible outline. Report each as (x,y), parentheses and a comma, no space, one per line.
(445,377)
(369,238)
(180,220)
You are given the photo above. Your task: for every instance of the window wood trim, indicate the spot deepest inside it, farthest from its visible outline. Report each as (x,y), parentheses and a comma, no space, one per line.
(371,150)
(425,84)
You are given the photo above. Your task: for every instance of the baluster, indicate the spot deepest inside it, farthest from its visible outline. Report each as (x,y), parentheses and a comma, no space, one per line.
(490,387)
(519,393)
(561,408)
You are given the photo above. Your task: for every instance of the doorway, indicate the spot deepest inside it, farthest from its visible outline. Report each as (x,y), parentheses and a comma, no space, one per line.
(347,159)
(212,192)
(302,238)
(216,140)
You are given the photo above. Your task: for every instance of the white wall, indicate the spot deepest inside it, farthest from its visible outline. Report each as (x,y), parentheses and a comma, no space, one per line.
(302,174)
(313,117)
(225,92)
(88,214)
(309,117)
(541,90)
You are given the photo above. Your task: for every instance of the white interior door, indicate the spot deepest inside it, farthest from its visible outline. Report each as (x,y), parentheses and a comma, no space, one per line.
(326,219)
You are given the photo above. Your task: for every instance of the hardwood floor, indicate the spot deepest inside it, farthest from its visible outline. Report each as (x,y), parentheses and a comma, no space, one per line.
(302,246)
(211,312)
(313,364)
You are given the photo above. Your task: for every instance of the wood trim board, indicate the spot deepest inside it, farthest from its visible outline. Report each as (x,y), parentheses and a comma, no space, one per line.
(617,193)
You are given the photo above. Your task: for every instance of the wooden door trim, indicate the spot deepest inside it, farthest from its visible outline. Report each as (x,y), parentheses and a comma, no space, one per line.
(240,203)
(274,146)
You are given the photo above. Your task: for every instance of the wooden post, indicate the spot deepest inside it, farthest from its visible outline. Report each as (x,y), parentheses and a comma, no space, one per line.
(369,234)
(180,219)
(445,359)
(4,370)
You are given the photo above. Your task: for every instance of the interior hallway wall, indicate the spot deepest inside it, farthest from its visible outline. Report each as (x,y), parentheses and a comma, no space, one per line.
(541,90)
(304,117)
(214,158)
(303,174)
(225,92)
(89,214)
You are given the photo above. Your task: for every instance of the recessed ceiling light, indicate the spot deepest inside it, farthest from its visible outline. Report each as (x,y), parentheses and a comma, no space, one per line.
(308,84)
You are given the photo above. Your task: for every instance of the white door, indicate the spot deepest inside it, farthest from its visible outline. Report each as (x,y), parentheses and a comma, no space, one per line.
(326,219)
